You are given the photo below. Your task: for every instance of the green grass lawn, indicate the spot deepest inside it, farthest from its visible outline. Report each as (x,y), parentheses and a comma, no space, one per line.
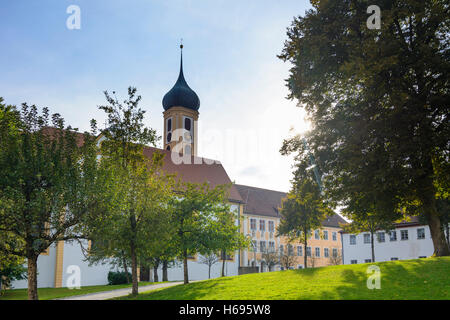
(54,293)
(408,279)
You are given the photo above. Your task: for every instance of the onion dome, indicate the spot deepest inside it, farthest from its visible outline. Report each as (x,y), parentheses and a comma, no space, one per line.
(181,94)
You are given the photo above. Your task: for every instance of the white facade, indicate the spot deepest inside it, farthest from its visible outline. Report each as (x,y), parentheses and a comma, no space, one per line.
(98,274)
(357,250)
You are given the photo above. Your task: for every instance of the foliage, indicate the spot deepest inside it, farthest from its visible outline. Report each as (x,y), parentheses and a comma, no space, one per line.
(137,190)
(378,102)
(198,217)
(47,182)
(117,277)
(302,212)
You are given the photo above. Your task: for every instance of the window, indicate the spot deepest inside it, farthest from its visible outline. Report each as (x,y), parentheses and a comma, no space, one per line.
(404,234)
(366,237)
(299,266)
(187,123)
(367,260)
(393,235)
(308,251)
(352,239)
(262,225)
(394,259)
(281,249)
(317,252)
(335,252)
(262,246)
(169,130)
(325,235)
(299,250)
(421,233)
(271,246)
(380,237)
(253,224)
(271,226)
(255,246)
(334,235)
(326,252)
(316,234)
(353,261)
(290,250)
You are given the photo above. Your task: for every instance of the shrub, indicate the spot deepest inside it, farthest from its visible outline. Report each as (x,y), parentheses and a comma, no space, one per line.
(118,277)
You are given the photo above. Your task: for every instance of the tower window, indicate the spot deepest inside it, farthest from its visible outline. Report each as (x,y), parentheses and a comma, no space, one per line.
(187,124)
(169,137)
(168,148)
(169,124)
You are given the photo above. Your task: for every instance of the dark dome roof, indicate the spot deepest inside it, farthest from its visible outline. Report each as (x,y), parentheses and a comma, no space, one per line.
(181,94)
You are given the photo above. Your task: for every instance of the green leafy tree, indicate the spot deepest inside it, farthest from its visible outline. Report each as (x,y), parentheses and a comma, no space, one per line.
(226,236)
(302,212)
(378,102)
(137,190)
(194,213)
(47,182)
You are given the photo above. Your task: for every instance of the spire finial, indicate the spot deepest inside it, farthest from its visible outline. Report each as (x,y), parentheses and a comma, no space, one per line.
(181,44)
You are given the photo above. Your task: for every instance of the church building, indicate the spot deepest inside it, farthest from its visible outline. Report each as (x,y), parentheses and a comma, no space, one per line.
(259,208)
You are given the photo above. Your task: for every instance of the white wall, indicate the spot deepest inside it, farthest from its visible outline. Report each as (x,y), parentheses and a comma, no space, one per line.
(412,248)
(46,271)
(90,275)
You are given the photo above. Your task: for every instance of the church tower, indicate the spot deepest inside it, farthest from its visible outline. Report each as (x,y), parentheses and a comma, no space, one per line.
(181,106)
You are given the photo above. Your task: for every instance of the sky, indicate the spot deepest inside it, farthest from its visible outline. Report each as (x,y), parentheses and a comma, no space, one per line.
(229,59)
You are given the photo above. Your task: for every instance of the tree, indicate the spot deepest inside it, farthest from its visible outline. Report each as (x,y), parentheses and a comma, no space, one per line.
(137,190)
(226,236)
(335,259)
(271,258)
(288,259)
(47,182)
(193,213)
(209,259)
(302,211)
(378,103)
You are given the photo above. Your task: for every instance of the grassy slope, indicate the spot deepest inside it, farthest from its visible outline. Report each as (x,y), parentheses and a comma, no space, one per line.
(53,293)
(407,279)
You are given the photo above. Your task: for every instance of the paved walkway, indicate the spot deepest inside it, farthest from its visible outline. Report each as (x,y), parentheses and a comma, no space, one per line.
(105,295)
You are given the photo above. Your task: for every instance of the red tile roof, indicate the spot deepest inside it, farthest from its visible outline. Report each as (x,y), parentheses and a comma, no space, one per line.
(264,202)
(199,170)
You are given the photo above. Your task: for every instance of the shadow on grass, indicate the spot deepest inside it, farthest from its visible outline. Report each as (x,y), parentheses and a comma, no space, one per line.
(192,291)
(420,279)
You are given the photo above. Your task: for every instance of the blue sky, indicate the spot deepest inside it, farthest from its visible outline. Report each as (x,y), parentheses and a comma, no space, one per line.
(229,60)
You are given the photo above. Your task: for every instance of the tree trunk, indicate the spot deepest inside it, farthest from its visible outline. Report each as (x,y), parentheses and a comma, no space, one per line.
(441,247)
(164,269)
(125,267)
(305,253)
(372,246)
(209,271)
(134,276)
(185,267)
(223,263)
(155,273)
(32,278)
